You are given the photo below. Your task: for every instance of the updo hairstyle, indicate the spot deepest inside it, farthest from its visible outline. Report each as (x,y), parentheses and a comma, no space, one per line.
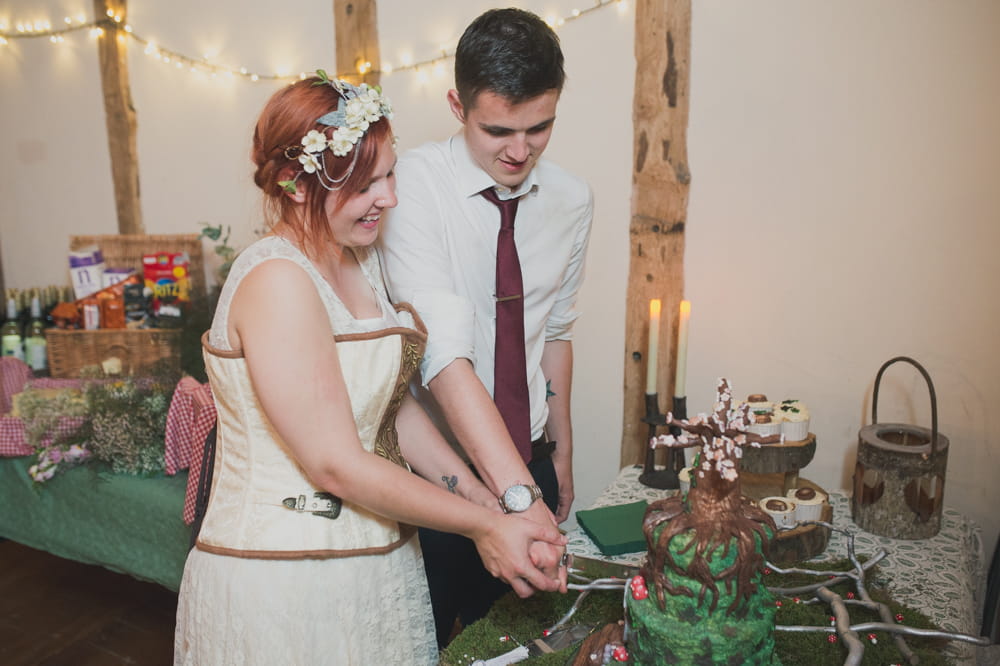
(286,119)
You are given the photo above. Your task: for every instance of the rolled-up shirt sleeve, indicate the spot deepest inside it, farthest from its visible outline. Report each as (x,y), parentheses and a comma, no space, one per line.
(559,325)
(417,270)
(450,321)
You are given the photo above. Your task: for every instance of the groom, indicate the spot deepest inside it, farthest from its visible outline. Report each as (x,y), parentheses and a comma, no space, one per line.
(447,251)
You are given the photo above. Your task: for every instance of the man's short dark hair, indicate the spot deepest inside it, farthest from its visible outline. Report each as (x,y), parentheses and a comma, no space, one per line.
(510,52)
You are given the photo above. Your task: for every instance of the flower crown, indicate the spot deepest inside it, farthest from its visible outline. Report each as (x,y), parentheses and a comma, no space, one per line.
(358,107)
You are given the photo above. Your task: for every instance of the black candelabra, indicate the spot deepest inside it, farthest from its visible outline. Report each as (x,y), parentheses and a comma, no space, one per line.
(665,477)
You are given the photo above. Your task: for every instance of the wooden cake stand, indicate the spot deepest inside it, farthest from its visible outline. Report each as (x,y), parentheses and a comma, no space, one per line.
(786,458)
(773,470)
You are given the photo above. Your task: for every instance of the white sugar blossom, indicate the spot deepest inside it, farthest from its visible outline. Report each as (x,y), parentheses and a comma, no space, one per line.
(314,142)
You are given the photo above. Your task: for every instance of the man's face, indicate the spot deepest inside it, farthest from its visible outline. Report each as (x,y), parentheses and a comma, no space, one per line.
(507,139)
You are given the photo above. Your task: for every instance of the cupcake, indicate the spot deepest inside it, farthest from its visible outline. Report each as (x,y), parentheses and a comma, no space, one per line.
(684,476)
(764,422)
(808,503)
(759,401)
(794,419)
(781,510)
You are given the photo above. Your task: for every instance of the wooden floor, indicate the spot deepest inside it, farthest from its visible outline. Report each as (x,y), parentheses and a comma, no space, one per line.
(60,612)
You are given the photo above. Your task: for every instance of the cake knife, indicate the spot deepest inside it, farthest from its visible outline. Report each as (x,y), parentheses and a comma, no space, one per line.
(558,639)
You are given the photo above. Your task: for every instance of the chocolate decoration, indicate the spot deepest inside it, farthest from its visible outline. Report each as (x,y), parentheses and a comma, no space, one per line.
(776,505)
(805,493)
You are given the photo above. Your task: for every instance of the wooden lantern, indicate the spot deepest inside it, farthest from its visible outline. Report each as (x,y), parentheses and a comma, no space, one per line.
(900,472)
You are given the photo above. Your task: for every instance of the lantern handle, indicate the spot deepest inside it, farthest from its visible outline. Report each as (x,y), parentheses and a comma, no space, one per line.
(930,388)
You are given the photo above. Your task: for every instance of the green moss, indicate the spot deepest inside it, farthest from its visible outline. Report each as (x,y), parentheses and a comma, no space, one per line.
(525,619)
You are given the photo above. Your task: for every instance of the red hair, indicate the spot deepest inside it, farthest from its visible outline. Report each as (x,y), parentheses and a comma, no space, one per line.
(287,117)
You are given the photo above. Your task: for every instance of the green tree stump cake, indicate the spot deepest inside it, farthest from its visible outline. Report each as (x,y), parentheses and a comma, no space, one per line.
(706,601)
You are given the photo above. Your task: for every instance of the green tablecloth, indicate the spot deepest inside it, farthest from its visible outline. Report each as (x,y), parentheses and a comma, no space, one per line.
(126,523)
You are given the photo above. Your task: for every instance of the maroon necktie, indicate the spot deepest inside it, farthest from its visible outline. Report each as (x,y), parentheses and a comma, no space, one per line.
(510,373)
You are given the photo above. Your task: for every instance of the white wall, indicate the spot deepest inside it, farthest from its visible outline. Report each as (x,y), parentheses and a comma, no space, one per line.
(839,215)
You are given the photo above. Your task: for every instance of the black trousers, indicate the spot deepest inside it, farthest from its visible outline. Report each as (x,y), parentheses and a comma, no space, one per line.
(461,587)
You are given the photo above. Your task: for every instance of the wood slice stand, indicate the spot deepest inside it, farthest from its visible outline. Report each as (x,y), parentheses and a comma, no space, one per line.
(785,458)
(772,471)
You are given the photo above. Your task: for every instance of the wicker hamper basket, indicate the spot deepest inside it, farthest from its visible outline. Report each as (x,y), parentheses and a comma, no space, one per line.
(125,251)
(138,349)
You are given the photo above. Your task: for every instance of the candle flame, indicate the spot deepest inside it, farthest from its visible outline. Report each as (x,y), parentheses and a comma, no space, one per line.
(654,308)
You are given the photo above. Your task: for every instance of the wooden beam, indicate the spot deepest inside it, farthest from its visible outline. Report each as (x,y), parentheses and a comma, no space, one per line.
(660,183)
(119,114)
(356,36)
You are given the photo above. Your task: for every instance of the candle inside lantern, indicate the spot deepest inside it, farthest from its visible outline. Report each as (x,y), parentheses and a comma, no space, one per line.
(654,342)
(682,348)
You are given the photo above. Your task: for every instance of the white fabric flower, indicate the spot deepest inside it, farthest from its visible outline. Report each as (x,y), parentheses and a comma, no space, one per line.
(314,142)
(309,162)
(344,139)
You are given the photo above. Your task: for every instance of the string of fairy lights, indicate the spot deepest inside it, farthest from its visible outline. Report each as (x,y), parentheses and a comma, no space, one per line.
(203,65)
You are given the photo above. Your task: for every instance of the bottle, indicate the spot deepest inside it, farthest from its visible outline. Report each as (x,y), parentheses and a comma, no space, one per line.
(12,343)
(36,348)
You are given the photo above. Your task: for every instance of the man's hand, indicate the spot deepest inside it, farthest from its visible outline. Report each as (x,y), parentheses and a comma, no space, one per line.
(550,560)
(504,546)
(546,557)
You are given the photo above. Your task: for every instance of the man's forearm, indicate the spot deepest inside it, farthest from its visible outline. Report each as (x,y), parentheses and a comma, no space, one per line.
(475,421)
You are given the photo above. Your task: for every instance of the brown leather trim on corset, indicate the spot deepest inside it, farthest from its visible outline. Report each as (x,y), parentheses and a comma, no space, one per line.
(406,532)
(387,438)
(215,351)
(419,332)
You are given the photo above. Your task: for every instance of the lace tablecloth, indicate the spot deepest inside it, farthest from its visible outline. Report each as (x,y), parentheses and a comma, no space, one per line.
(943,577)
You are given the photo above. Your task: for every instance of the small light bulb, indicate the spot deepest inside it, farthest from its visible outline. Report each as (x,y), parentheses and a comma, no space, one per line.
(254,77)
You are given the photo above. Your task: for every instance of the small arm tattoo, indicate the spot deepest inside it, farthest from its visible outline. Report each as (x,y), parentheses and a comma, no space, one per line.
(450,482)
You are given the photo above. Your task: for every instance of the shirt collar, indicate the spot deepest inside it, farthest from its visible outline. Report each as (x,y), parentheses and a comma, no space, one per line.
(472,179)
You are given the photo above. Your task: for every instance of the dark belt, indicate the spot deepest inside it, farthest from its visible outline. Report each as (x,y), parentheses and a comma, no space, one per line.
(541,449)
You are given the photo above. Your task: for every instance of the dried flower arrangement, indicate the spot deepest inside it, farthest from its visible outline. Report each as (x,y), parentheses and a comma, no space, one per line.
(119,422)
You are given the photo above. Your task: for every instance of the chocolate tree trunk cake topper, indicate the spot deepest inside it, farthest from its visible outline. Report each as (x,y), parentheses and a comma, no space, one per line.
(713,511)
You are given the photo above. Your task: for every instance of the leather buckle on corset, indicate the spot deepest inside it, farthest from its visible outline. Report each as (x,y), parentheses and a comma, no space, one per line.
(325,505)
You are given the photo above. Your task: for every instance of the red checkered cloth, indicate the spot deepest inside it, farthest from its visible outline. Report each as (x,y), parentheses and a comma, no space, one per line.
(14,374)
(191,416)
(15,377)
(12,441)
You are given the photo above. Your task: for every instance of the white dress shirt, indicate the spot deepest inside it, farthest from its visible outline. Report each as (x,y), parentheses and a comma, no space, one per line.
(439,254)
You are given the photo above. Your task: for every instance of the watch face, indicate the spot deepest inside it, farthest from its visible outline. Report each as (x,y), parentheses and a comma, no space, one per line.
(517,498)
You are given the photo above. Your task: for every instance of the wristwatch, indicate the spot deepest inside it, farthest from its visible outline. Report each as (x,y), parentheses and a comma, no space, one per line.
(518,498)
